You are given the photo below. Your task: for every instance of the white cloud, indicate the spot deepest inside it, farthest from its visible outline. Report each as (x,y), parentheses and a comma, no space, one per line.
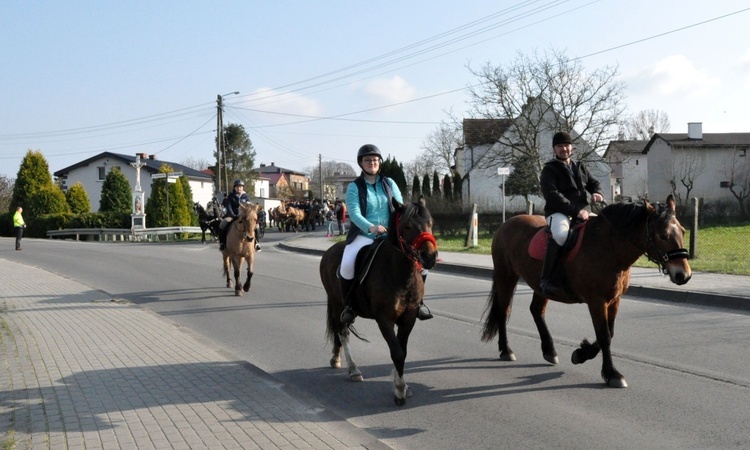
(391,90)
(674,75)
(266,99)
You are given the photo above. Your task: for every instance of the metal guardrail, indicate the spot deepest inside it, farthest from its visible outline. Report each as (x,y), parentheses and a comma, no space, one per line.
(121,234)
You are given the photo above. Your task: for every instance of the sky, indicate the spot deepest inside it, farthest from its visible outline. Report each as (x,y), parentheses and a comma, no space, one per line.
(318,79)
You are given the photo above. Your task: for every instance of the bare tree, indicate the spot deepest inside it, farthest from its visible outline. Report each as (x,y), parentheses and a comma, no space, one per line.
(440,146)
(737,170)
(686,168)
(645,123)
(328,170)
(542,94)
(197,163)
(6,192)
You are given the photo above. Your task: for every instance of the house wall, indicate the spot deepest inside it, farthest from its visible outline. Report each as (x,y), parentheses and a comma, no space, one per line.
(88,176)
(709,165)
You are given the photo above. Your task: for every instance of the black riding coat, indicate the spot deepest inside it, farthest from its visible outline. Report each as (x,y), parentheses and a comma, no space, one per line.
(232,204)
(564,189)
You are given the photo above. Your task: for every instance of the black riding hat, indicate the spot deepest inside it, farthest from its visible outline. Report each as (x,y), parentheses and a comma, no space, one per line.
(239,183)
(368,149)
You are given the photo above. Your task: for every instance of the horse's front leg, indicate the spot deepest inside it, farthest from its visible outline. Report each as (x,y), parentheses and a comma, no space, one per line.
(237,263)
(227,266)
(397,345)
(354,373)
(538,308)
(246,286)
(600,317)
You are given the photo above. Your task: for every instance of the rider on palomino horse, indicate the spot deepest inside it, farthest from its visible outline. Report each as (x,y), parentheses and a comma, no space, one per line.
(232,205)
(370,199)
(564,184)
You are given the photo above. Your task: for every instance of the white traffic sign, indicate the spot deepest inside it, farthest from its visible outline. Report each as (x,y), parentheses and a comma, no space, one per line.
(503,170)
(158,175)
(174,174)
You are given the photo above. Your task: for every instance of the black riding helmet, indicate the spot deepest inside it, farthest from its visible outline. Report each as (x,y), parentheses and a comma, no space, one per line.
(239,183)
(368,149)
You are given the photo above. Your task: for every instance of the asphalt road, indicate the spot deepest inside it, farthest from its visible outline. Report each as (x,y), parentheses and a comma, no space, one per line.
(686,366)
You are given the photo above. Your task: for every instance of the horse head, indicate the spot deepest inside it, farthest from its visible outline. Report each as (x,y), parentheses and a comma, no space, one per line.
(247,220)
(413,225)
(664,246)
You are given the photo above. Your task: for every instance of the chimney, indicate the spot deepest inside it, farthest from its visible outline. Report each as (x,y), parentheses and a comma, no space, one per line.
(262,164)
(695,130)
(152,157)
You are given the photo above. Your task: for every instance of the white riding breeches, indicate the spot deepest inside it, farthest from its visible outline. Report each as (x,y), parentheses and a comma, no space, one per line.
(559,225)
(350,255)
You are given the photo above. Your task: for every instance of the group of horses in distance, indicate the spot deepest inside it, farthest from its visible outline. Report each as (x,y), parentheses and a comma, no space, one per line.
(291,218)
(389,287)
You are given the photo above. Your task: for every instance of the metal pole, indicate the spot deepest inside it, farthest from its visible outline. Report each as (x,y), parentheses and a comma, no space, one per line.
(219,195)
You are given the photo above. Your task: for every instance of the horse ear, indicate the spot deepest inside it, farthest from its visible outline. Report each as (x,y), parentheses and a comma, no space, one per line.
(671,202)
(397,205)
(422,201)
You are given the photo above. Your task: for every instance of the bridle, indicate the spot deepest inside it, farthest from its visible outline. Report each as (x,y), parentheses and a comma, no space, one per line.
(412,249)
(245,234)
(662,258)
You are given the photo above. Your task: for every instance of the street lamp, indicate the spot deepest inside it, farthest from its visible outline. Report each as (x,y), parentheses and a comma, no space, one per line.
(220,156)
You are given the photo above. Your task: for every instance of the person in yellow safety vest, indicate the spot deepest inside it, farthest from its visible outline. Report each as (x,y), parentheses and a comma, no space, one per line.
(19,225)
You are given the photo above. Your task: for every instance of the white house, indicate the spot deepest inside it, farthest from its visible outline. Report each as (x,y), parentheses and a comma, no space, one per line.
(629,165)
(707,162)
(91,173)
(481,185)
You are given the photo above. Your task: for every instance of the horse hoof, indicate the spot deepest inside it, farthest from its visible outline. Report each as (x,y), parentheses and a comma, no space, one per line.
(509,356)
(399,401)
(617,383)
(335,363)
(552,359)
(357,378)
(576,359)
(246,288)
(238,293)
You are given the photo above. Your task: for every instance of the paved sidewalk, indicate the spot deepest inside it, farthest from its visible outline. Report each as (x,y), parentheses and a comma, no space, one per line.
(728,291)
(81,371)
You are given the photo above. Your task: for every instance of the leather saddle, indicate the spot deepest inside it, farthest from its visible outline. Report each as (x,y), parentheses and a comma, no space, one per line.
(538,244)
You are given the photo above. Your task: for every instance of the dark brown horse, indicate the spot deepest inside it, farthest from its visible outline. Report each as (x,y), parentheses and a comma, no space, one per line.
(598,275)
(389,290)
(240,247)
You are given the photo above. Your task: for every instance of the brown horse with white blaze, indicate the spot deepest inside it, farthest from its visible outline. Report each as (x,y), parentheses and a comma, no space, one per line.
(388,290)
(240,247)
(598,275)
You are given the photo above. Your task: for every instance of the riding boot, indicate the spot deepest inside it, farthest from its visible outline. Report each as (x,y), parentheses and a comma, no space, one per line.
(424,312)
(547,283)
(223,238)
(347,315)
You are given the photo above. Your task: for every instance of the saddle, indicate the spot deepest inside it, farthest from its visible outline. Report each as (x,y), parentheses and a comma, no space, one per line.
(538,244)
(364,260)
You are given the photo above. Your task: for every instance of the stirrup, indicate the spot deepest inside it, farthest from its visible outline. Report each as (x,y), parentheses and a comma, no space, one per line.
(347,315)
(424,312)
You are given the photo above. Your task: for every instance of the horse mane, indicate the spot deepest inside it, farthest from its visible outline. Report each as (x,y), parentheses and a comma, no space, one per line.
(626,215)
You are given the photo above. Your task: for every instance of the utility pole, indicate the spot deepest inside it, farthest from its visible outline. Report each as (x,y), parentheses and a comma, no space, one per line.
(221,158)
(320,174)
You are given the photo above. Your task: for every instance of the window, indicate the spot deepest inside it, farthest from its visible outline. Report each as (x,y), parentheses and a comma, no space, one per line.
(102,173)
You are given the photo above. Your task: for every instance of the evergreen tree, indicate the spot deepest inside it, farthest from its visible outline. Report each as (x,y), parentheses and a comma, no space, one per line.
(116,193)
(457,188)
(78,199)
(49,199)
(32,176)
(416,190)
(426,185)
(400,178)
(436,185)
(447,188)
(522,181)
(157,213)
(239,154)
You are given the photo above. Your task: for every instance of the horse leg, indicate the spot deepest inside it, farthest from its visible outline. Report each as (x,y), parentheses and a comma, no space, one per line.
(237,263)
(538,308)
(601,320)
(226,271)
(246,286)
(354,373)
(336,352)
(397,345)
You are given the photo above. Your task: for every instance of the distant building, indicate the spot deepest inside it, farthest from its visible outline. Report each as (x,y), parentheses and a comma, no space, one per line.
(281,179)
(92,172)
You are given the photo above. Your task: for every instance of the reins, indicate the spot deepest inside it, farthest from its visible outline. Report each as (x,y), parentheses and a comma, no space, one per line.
(411,249)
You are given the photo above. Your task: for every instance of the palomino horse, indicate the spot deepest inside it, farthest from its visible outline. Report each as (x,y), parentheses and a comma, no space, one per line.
(288,216)
(389,290)
(240,247)
(208,219)
(598,275)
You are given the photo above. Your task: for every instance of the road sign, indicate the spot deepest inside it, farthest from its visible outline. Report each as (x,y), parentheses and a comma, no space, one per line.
(174,174)
(158,175)
(503,170)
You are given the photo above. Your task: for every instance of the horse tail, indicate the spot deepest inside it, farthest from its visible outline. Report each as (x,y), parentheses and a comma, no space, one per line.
(491,315)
